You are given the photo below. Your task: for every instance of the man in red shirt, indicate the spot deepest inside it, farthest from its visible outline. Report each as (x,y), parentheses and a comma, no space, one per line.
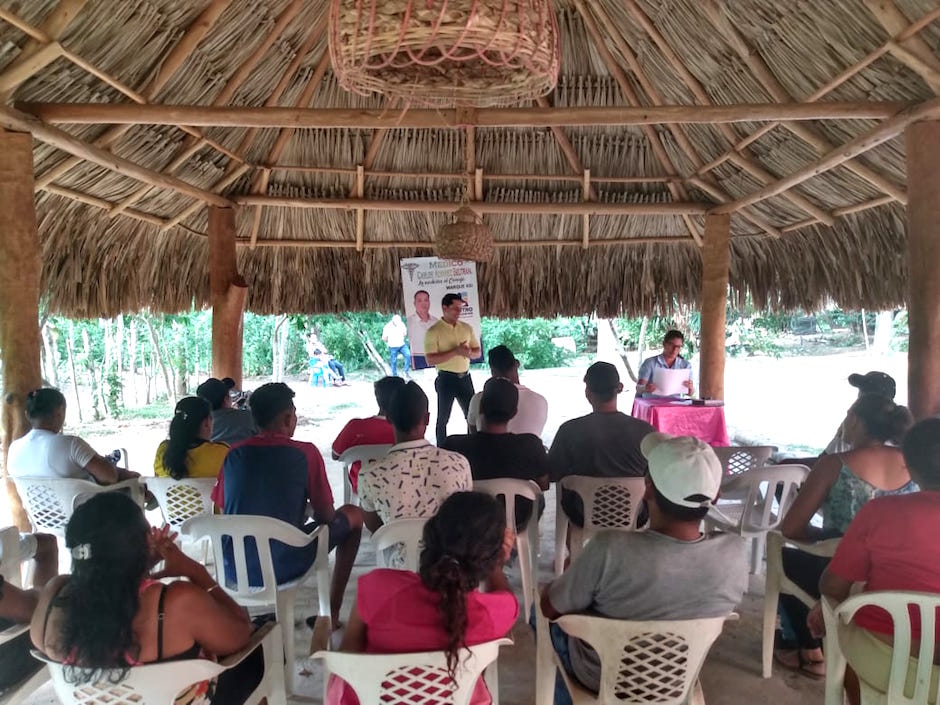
(890,545)
(375,430)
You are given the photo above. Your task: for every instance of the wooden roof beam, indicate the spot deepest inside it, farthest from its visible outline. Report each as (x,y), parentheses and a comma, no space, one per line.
(564,144)
(499,244)
(186,44)
(123,114)
(90,200)
(888,130)
(713,9)
(912,51)
(482,207)
(14,120)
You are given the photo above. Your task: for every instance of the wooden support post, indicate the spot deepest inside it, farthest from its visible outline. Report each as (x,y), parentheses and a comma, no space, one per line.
(586,218)
(228,292)
(923,246)
(19,297)
(716,257)
(360,213)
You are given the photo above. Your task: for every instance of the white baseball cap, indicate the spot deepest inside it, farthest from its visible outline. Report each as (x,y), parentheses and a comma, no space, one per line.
(684,469)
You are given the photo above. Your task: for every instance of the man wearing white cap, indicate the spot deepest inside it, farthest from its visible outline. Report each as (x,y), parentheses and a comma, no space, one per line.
(670,571)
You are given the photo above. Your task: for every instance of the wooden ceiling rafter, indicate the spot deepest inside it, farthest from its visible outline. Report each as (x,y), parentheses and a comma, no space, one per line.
(191,145)
(676,189)
(174,59)
(912,51)
(685,144)
(714,10)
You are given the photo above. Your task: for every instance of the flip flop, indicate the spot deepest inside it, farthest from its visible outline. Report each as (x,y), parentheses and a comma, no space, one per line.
(813,669)
(789,659)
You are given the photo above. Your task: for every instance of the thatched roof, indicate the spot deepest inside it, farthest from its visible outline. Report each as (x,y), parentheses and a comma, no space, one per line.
(839,235)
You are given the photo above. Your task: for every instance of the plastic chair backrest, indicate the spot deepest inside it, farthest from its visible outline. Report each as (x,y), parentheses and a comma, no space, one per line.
(263,530)
(404,679)
(767,494)
(365,453)
(398,544)
(738,459)
(10,559)
(49,502)
(160,683)
(897,604)
(510,488)
(655,662)
(609,502)
(182,499)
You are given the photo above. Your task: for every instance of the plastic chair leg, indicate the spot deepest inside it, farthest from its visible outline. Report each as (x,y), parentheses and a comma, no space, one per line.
(757,553)
(525,568)
(561,532)
(771,600)
(285,615)
(577,541)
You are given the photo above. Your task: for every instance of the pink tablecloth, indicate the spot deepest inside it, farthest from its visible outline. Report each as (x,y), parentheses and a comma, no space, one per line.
(705,422)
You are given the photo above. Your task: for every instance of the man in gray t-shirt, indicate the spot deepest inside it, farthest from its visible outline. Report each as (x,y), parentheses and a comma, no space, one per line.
(671,571)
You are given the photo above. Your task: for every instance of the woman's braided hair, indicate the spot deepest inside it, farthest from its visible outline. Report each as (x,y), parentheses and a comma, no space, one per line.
(463,542)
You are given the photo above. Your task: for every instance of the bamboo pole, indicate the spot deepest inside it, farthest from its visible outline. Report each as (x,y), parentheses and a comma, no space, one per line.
(482,207)
(499,244)
(14,120)
(103,204)
(564,144)
(913,51)
(887,130)
(15,75)
(923,248)
(228,292)
(19,299)
(716,259)
(328,118)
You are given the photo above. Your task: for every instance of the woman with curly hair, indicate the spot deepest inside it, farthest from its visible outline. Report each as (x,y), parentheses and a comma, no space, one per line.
(111,613)
(188,452)
(439,608)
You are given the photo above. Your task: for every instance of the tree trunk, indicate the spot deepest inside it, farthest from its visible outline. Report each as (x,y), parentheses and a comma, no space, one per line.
(865,332)
(641,347)
(884,331)
(95,385)
(50,355)
(377,360)
(618,346)
(132,360)
(279,346)
(70,348)
(158,356)
(119,354)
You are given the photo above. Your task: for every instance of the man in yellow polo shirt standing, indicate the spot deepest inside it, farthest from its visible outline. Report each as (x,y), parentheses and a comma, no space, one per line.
(449,345)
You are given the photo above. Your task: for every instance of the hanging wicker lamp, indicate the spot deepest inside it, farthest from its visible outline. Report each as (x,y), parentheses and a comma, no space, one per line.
(465,238)
(445,53)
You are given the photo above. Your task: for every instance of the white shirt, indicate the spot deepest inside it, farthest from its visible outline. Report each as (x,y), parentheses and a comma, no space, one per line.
(42,453)
(412,481)
(416,330)
(394,334)
(530,417)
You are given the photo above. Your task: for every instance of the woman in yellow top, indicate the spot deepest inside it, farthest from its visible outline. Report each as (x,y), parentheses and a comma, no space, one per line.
(188,452)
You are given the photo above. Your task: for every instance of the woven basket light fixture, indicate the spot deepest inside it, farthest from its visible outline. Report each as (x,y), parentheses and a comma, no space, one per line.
(445,53)
(466,238)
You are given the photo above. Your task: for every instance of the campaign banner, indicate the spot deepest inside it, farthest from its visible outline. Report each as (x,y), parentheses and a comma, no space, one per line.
(425,281)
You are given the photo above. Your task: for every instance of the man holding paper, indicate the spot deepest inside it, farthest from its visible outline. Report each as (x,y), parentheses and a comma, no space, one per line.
(669,360)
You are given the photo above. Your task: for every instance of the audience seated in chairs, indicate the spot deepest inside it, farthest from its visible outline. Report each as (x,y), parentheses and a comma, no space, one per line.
(375,430)
(440,608)
(839,485)
(605,443)
(532,410)
(669,572)
(415,477)
(17,607)
(495,453)
(273,475)
(230,423)
(111,613)
(891,544)
(47,452)
(188,452)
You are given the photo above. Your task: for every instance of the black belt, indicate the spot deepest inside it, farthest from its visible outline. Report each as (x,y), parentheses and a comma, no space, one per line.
(458,375)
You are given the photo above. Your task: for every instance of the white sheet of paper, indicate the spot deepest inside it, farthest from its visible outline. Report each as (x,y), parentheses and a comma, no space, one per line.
(670,382)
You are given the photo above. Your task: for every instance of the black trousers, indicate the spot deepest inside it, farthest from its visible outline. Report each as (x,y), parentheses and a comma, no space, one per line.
(450,386)
(805,570)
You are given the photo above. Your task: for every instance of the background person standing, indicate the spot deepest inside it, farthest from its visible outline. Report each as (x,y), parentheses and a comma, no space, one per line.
(394,334)
(449,345)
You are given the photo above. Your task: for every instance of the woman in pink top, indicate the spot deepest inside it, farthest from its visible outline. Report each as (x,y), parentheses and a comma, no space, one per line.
(440,607)
(890,545)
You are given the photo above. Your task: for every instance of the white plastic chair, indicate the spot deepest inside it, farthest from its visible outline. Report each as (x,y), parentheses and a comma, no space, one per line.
(642,663)
(282,597)
(778,583)
(49,502)
(11,569)
(403,535)
(738,459)
(363,454)
(527,540)
(896,604)
(765,496)
(160,683)
(182,499)
(417,677)
(609,503)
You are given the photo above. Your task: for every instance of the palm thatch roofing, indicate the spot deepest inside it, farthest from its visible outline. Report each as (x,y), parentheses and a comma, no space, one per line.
(113,240)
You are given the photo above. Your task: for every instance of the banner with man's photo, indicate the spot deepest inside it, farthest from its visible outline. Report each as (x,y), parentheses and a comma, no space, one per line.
(425,281)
